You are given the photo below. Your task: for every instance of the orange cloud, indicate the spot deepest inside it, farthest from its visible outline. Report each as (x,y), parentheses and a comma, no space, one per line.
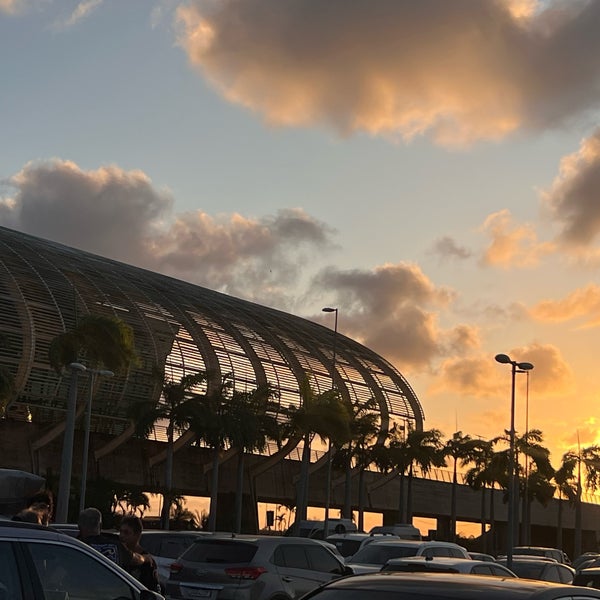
(512,245)
(459,71)
(584,302)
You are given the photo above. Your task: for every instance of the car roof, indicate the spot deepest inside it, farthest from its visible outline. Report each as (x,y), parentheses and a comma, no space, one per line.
(397,541)
(445,560)
(460,586)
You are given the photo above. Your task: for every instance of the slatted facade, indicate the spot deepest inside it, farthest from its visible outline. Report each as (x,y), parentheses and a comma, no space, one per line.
(180,327)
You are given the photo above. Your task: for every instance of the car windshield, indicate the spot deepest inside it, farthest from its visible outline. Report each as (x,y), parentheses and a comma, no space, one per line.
(220,551)
(379,554)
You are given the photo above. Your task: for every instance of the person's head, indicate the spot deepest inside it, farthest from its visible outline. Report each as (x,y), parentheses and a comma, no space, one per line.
(43,503)
(130,530)
(89,522)
(29,515)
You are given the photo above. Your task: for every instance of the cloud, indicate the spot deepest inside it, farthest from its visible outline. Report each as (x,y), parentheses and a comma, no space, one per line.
(82,11)
(14,7)
(393,309)
(458,71)
(573,198)
(512,245)
(582,303)
(122,215)
(481,377)
(446,248)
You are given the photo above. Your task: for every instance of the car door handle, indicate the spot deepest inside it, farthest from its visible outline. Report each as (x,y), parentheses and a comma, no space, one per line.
(287,579)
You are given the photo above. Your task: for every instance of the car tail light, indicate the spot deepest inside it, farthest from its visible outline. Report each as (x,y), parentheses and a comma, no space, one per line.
(175,568)
(245,572)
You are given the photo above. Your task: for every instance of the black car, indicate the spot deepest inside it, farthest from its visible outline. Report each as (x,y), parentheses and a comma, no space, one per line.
(443,586)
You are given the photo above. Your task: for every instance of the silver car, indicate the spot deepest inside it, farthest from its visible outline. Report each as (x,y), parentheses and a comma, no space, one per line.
(252,568)
(38,562)
(373,557)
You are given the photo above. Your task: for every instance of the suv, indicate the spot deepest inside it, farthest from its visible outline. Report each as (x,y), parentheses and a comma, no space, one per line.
(252,568)
(374,556)
(37,562)
(166,547)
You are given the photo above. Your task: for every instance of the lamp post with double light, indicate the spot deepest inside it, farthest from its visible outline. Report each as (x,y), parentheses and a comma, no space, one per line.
(512,508)
(329,309)
(86,440)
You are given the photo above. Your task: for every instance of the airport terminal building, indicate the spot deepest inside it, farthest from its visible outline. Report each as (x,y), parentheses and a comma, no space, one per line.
(179,328)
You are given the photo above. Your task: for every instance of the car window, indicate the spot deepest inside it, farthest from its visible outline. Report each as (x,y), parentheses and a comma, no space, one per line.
(220,551)
(482,570)
(291,556)
(566,575)
(10,586)
(151,543)
(379,554)
(456,553)
(322,560)
(552,574)
(66,573)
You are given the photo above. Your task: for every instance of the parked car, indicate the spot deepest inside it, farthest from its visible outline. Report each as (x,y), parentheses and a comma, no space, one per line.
(587,561)
(482,556)
(348,544)
(445,564)
(372,557)
(554,553)
(588,578)
(406,531)
(252,568)
(314,528)
(446,586)
(166,547)
(37,562)
(544,569)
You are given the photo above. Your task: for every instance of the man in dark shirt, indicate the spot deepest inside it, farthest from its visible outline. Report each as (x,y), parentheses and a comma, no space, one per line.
(90,532)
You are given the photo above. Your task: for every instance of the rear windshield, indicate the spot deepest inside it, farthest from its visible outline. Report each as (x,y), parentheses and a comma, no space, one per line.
(346,547)
(374,554)
(527,570)
(220,551)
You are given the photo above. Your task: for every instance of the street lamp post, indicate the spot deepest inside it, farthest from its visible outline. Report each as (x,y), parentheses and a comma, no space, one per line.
(512,522)
(86,440)
(66,463)
(329,309)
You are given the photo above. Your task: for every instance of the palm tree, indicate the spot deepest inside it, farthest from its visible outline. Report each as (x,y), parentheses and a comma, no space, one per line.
(425,450)
(535,479)
(209,424)
(103,341)
(480,477)
(177,409)
(250,422)
(462,449)
(364,429)
(565,478)
(395,457)
(325,415)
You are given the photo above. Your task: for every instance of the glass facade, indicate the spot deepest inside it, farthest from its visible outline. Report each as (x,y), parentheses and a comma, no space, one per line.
(179,328)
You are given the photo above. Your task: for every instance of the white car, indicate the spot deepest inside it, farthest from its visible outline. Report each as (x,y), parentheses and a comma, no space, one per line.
(348,544)
(373,557)
(445,564)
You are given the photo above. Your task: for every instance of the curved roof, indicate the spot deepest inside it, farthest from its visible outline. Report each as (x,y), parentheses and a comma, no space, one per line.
(178,326)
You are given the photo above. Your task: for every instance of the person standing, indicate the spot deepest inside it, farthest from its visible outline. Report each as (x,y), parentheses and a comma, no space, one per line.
(90,532)
(130,533)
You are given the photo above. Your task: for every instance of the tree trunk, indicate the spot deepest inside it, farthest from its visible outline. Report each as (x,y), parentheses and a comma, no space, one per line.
(409,495)
(239,493)
(347,514)
(361,499)
(453,504)
(401,499)
(302,487)
(214,492)
(168,492)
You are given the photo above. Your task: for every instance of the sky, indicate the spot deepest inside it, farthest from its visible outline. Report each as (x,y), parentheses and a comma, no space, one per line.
(431,169)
